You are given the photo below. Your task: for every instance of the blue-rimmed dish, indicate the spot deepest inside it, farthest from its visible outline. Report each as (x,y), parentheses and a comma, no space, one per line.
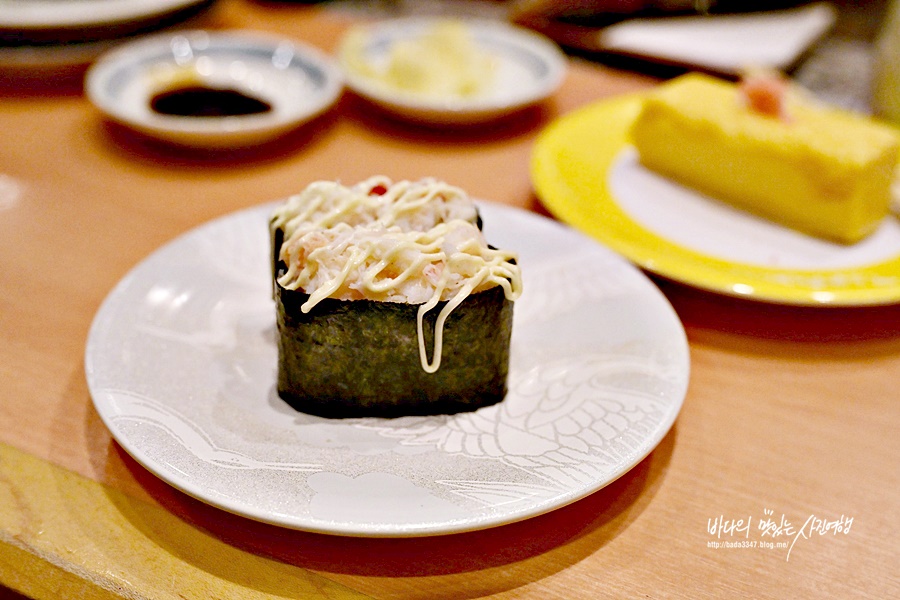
(297,81)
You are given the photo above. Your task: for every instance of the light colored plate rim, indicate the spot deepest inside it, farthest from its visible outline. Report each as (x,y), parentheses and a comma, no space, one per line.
(449,527)
(151,48)
(678,263)
(38,15)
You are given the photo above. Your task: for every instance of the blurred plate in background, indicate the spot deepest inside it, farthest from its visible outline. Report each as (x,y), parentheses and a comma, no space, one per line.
(296,81)
(40,15)
(42,34)
(527,68)
(586,172)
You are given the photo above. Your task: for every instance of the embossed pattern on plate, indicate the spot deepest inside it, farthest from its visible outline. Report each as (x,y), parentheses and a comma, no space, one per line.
(181,364)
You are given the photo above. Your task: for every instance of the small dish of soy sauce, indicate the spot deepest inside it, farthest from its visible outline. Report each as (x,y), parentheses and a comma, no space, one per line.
(214,89)
(203,101)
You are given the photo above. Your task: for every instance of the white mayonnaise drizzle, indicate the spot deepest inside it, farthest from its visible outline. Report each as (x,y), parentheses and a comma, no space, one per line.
(410,242)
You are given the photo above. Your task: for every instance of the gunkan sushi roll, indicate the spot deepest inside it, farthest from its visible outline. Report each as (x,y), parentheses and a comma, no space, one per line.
(389,300)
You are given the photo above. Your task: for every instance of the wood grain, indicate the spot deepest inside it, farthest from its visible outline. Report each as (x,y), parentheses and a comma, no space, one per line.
(791,411)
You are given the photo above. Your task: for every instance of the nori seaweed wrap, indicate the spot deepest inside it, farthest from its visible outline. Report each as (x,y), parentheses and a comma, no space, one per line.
(351,358)
(367,357)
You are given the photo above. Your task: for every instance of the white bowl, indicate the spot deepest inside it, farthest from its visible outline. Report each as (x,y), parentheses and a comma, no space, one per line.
(298,81)
(528,69)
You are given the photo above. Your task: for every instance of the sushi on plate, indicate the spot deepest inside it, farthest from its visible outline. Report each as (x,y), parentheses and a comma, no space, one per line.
(389,300)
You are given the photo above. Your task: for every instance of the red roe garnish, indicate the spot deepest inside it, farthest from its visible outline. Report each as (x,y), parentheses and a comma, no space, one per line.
(766,94)
(378,190)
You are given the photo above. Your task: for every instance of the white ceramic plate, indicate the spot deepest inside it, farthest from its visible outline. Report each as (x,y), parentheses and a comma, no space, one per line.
(56,14)
(528,69)
(181,364)
(297,80)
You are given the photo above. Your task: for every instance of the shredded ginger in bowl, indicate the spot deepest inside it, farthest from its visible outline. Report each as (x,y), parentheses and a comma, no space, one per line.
(444,61)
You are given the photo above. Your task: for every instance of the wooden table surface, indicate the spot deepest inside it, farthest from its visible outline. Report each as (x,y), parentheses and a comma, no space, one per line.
(790,414)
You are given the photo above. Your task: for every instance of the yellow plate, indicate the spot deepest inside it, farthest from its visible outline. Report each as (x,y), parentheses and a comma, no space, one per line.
(573,166)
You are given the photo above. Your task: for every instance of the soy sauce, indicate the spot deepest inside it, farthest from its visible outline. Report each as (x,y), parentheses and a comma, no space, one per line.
(201,101)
